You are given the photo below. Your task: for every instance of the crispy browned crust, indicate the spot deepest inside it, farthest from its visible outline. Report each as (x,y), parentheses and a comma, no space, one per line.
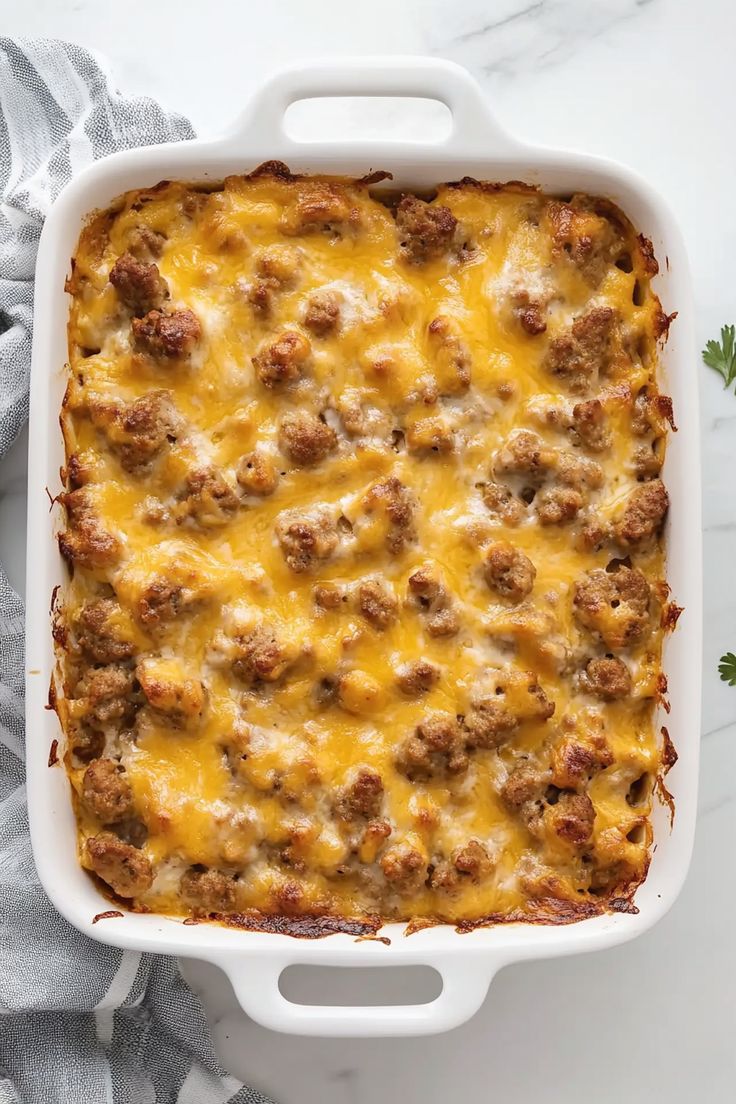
(546,911)
(663,406)
(668,758)
(669,754)
(670,616)
(109,915)
(662,323)
(647,252)
(301,927)
(624,904)
(374,178)
(662,691)
(517,186)
(276,169)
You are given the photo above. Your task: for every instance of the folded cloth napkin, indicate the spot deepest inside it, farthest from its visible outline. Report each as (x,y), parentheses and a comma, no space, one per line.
(79,1023)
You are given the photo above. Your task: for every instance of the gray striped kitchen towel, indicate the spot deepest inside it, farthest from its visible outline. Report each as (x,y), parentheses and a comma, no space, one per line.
(79,1023)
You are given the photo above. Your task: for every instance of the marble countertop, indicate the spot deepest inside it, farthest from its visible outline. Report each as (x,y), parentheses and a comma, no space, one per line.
(646,82)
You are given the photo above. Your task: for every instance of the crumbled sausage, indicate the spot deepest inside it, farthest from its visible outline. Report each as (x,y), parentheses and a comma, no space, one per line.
(282,360)
(377,602)
(451,358)
(161,601)
(614,604)
(589,423)
(145,243)
(396,502)
(363,797)
(529,312)
(257,474)
(572,818)
(173,696)
(194,203)
(430,435)
(306,538)
(374,835)
(288,897)
(142,428)
(321,207)
(443,622)
(80,469)
(502,504)
(208,890)
(426,231)
(99,633)
(647,460)
(524,453)
(404,867)
(580,472)
(513,698)
(436,747)
(276,269)
(306,439)
(107,695)
(322,315)
(643,514)
(106,791)
(417,678)
(140,286)
(357,421)
(584,237)
(642,420)
(86,743)
(172,334)
(123,867)
(434,598)
(260,294)
(328,596)
(471,862)
(209,500)
(576,357)
(261,656)
(608,678)
(558,505)
(524,784)
(488,722)
(593,534)
(279,263)
(85,541)
(574,762)
(508,571)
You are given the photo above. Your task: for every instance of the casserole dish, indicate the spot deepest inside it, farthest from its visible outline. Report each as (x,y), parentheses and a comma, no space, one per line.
(475,147)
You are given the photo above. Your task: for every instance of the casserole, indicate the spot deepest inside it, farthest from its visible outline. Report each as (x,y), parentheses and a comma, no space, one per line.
(350,480)
(478,148)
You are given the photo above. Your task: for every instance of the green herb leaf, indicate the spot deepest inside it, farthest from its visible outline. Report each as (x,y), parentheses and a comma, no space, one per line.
(722,356)
(727,668)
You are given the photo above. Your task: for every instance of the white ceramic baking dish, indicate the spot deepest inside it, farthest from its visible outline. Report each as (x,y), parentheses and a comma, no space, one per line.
(479,147)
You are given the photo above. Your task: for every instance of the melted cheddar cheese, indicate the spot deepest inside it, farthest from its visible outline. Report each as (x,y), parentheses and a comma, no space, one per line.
(364,515)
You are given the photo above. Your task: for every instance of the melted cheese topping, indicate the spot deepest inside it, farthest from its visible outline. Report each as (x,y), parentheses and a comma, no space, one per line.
(245,763)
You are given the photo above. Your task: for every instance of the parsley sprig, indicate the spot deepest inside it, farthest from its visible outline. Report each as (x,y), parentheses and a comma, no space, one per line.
(727,668)
(721,356)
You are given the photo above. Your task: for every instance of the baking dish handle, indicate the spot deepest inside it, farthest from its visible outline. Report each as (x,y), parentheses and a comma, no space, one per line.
(474,129)
(465,982)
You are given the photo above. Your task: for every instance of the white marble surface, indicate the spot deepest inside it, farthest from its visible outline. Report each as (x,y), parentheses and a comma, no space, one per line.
(649,82)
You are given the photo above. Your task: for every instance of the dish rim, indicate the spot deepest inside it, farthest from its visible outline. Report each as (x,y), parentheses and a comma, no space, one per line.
(478,147)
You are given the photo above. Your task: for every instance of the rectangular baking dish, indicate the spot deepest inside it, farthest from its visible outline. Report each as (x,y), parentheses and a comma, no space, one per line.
(476,146)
